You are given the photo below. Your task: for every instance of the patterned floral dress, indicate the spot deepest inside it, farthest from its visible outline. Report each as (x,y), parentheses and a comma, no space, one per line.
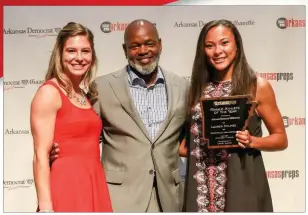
(207,175)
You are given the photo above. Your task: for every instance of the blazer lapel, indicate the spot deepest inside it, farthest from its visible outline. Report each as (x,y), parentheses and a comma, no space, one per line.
(173,95)
(120,86)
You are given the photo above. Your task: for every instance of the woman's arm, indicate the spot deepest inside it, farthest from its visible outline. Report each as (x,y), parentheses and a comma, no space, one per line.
(44,107)
(183,148)
(268,110)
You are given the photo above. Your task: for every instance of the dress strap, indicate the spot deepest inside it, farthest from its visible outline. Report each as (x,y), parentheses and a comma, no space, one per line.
(50,82)
(64,98)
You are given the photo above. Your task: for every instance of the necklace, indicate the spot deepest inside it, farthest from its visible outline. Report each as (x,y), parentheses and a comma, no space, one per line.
(82,100)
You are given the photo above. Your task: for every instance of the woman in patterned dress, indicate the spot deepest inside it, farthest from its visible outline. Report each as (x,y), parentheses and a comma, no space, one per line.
(229,180)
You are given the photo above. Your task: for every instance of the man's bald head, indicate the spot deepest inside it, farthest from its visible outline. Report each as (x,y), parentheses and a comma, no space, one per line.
(142,46)
(138,24)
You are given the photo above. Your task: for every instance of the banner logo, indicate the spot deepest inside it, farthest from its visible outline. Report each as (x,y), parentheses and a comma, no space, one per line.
(108,27)
(284,23)
(12,185)
(290,121)
(282,174)
(15,84)
(274,76)
(33,32)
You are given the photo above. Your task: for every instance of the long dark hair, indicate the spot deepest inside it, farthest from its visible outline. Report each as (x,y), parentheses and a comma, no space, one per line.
(244,80)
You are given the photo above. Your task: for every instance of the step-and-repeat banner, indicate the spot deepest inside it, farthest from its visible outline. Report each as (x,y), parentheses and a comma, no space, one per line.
(274,42)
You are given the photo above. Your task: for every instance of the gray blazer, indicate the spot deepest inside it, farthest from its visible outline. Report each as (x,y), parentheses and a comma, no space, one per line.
(129,156)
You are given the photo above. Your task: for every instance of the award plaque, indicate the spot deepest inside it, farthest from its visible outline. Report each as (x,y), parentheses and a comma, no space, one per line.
(222,117)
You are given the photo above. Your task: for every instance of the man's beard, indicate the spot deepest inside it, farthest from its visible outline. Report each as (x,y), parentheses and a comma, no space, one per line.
(146,69)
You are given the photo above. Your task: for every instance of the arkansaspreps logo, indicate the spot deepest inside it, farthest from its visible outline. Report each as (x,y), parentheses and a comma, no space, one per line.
(284,23)
(200,24)
(33,32)
(273,76)
(12,185)
(288,121)
(282,174)
(9,85)
(12,131)
(108,27)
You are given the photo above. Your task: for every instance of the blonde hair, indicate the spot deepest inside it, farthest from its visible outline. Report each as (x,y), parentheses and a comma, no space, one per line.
(55,68)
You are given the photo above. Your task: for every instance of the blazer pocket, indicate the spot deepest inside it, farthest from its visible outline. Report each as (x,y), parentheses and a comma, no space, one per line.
(176,176)
(114,176)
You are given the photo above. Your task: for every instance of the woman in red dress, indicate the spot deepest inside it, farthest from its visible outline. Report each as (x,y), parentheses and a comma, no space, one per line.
(61,111)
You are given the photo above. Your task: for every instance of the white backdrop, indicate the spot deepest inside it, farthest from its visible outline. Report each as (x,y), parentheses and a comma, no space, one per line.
(275,52)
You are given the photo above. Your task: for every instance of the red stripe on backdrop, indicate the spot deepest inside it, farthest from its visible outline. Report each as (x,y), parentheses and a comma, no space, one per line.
(89,2)
(71,3)
(1,42)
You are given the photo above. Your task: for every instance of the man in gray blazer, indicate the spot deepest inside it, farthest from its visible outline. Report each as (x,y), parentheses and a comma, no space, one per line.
(143,108)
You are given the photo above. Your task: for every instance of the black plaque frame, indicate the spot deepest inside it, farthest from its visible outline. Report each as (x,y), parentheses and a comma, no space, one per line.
(232,114)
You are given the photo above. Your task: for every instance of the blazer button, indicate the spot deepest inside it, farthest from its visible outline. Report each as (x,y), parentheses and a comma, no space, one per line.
(152,146)
(151,172)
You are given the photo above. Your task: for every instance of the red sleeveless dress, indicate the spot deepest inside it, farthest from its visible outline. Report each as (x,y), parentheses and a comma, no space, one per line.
(77,178)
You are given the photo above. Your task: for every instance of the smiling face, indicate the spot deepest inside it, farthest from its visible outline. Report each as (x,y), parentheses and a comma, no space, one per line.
(220,48)
(77,56)
(142,48)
